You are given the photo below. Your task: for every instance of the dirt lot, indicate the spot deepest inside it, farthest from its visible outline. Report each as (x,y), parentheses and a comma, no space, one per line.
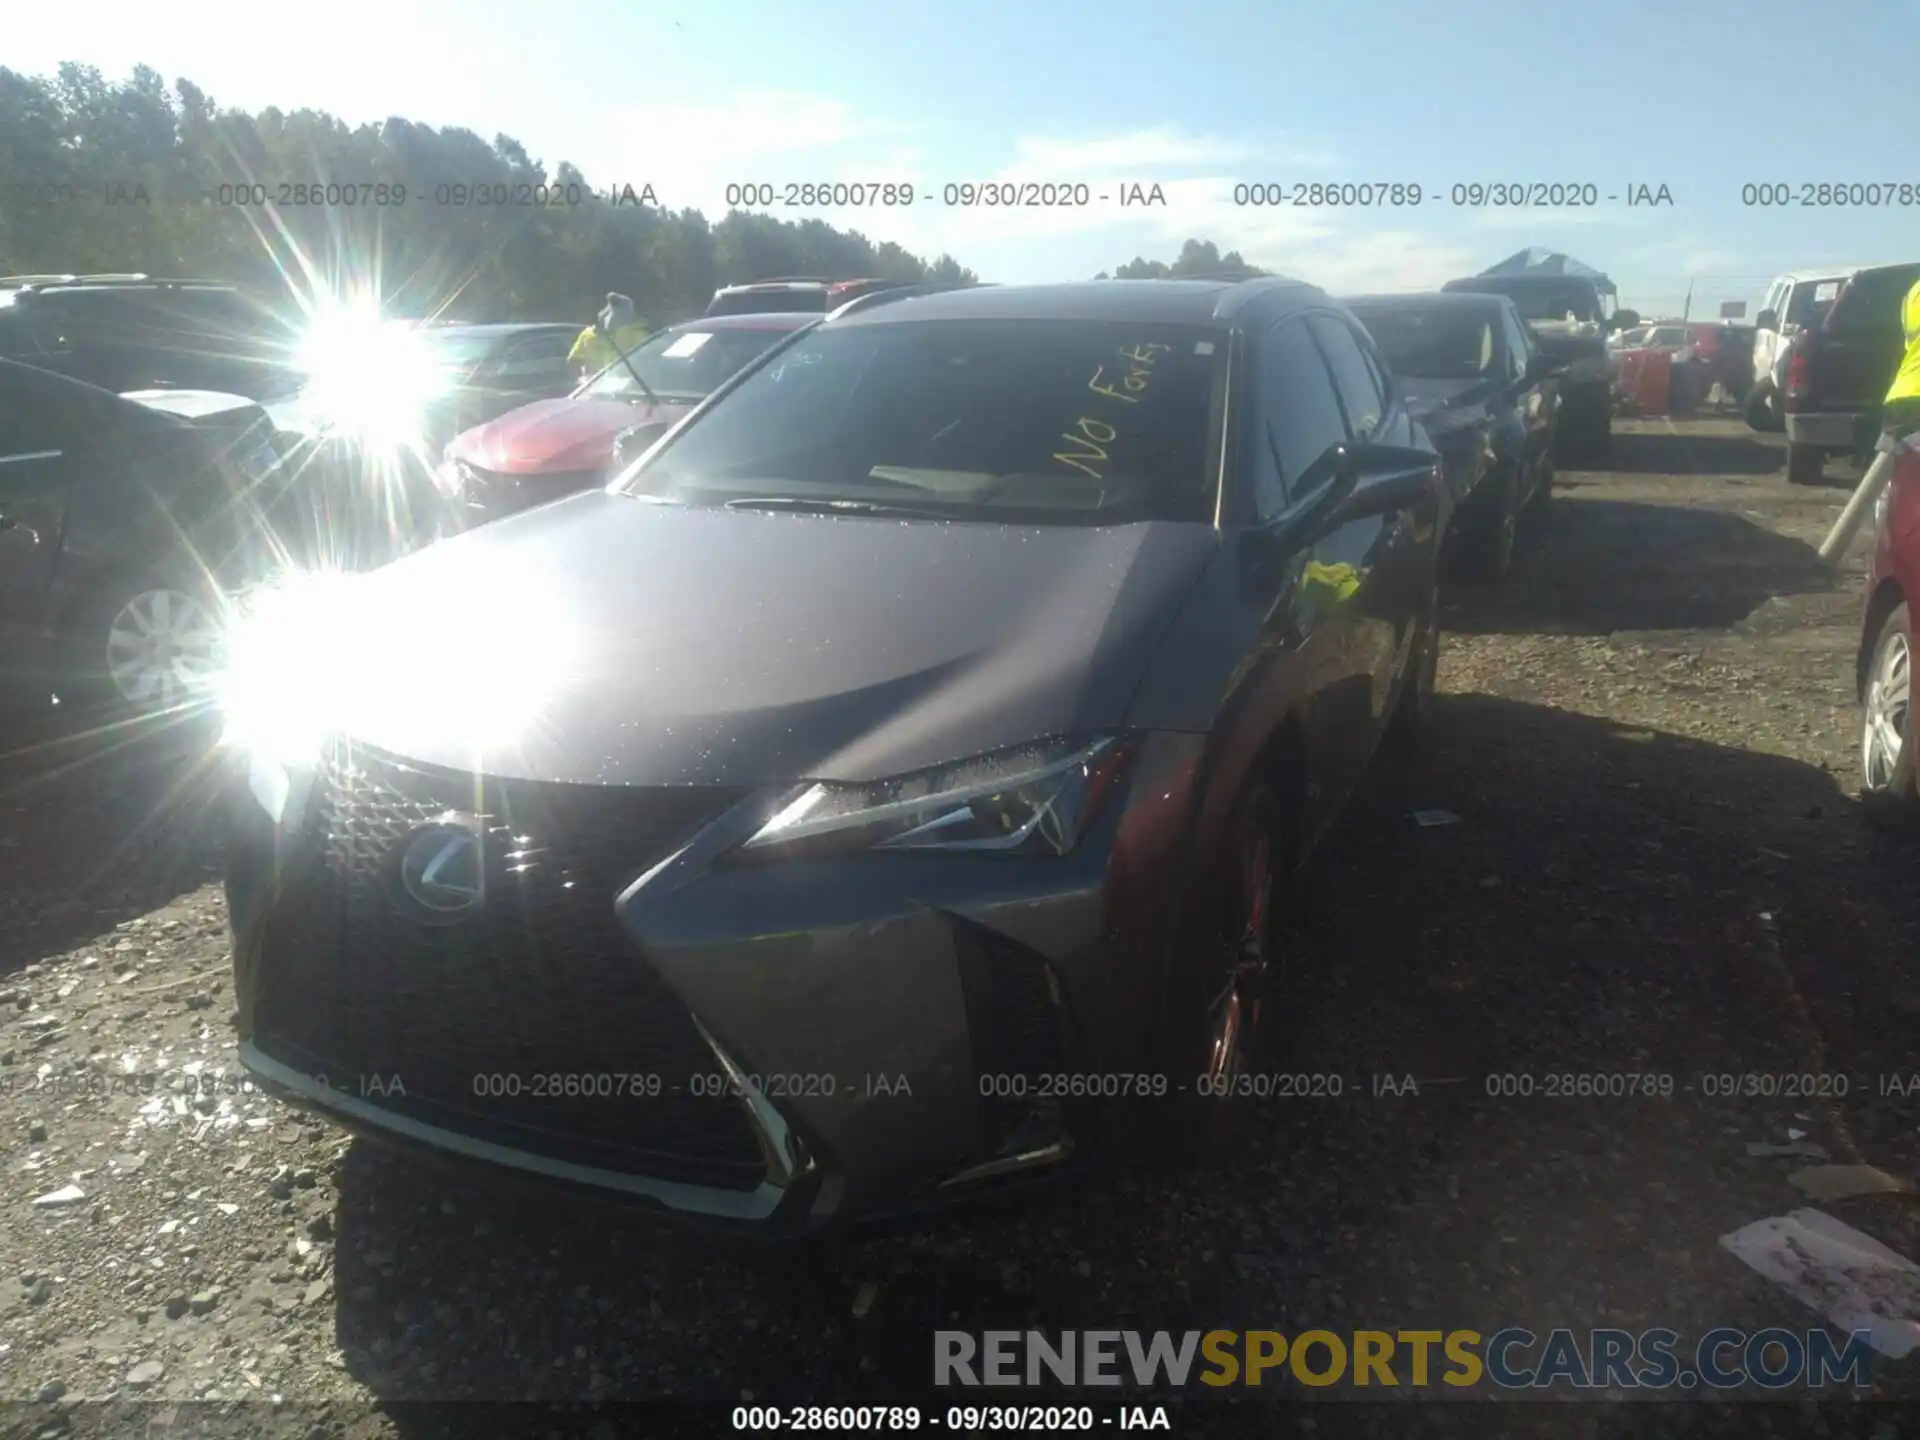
(1658,869)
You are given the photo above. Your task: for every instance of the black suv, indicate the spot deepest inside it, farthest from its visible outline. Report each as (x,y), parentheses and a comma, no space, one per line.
(124,522)
(134,332)
(785,294)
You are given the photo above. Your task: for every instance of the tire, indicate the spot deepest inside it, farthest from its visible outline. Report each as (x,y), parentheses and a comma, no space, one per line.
(1599,439)
(139,644)
(1542,497)
(1487,556)
(1762,411)
(1407,727)
(1806,464)
(1888,789)
(1223,1023)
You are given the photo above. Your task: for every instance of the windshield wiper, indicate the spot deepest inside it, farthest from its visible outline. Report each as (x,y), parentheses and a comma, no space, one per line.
(802,506)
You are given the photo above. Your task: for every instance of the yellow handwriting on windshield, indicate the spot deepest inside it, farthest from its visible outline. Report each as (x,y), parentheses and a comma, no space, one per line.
(1089,446)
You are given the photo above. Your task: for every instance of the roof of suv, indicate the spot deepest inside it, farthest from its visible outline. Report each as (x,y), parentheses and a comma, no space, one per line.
(1156,302)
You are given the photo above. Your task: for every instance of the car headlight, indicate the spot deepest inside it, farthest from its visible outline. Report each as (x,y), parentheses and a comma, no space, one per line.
(1034,799)
(453,478)
(1881,503)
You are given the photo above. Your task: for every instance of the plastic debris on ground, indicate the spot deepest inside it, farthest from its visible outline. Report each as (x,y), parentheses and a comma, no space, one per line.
(1857,1283)
(1841,1182)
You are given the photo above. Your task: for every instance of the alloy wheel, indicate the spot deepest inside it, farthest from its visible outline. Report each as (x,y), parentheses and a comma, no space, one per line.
(1233,1015)
(1884,720)
(162,649)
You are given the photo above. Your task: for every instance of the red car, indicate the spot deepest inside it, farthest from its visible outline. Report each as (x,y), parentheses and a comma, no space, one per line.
(1884,668)
(551,448)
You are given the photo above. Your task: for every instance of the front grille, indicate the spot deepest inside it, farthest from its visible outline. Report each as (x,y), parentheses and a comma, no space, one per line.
(539,981)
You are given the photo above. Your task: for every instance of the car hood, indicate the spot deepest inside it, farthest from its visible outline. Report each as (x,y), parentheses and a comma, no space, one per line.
(604,639)
(557,435)
(196,406)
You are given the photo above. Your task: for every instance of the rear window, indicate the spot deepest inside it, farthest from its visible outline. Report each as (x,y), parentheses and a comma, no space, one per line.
(1433,342)
(770,302)
(1810,301)
(1035,421)
(1873,301)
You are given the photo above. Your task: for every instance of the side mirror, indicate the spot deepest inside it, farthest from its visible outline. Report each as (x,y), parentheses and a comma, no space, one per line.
(1323,486)
(1625,319)
(1543,367)
(1767,320)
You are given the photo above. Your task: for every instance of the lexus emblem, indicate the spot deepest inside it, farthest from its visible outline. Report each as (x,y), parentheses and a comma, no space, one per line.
(442,869)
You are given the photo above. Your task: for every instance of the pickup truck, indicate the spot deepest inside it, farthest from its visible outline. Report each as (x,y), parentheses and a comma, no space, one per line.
(1838,371)
(1571,316)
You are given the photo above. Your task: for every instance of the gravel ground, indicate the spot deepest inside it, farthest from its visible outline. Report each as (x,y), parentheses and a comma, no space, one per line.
(1658,868)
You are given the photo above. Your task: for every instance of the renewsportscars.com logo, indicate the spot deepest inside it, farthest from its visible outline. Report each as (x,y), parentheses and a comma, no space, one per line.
(1508,1359)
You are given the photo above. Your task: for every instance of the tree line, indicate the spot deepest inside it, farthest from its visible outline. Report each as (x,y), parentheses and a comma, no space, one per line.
(134,175)
(1197,260)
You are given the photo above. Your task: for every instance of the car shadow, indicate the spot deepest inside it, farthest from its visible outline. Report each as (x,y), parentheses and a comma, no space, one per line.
(1596,885)
(99,826)
(1646,452)
(1593,567)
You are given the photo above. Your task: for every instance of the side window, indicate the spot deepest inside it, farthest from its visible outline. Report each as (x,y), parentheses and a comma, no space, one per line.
(524,359)
(1299,415)
(36,418)
(1362,398)
(1519,350)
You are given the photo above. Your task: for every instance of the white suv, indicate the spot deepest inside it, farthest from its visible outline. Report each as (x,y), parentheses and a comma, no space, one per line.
(1794,303)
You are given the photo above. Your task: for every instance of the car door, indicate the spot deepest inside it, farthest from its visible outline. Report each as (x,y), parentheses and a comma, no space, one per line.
(1766,343)
(1293,419)
(1533,397)
(1387,536)
(36,436)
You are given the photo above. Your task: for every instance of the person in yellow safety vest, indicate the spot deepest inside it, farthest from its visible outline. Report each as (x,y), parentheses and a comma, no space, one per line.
(1900,412)
(615,330)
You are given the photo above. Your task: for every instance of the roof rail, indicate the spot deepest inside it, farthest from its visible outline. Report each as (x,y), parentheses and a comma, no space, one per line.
(899,292)
(111,276)
(37,279)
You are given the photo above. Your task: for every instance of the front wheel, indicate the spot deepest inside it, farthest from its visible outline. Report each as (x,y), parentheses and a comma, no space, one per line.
(1487,556)
(1222,1018)
(141,645)
(1762,411)
(1888,788)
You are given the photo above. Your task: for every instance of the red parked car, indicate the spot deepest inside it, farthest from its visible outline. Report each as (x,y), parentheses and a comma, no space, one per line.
(551,448)
(1884,668)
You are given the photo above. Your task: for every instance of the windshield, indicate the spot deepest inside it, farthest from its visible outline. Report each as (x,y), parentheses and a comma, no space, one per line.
(1035,421)
(456,351)
(685,364)
(1538,303)
(1433,342)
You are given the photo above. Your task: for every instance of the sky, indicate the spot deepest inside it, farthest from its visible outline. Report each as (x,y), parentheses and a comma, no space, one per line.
(1196,98)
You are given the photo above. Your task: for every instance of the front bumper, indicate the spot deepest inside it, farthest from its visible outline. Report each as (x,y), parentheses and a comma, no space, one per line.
(793,1044)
